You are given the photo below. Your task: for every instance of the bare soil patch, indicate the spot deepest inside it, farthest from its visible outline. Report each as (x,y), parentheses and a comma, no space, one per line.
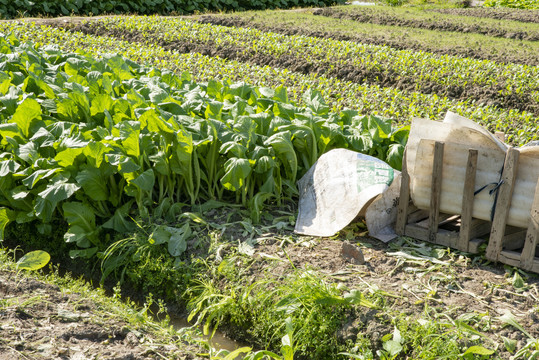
(40,321)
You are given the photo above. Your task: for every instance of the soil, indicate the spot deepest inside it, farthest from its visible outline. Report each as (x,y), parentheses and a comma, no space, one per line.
(531,16)
(397,42)
(381,18)
(40,321)
(347,72)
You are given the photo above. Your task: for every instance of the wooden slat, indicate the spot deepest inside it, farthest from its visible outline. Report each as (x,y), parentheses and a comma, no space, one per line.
(501,211)
(500,135)
(436,190)
(404,199)
(468,201)
(528,253)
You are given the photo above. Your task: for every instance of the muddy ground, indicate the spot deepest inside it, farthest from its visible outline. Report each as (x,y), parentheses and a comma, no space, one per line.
(359,74)
(41,321)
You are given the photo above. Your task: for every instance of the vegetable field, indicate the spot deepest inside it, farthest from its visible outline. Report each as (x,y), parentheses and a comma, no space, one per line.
(162,154)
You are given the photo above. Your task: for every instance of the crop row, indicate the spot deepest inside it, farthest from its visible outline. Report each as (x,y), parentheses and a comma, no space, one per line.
(101,141)
(510,85)
(370,99)
(518,4)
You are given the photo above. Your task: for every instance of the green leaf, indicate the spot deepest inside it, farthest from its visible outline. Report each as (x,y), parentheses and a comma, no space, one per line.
(120,221)
(81,219)
(356,297)
(509,344)
(6,216)
(93,183)
(8,167)
(518,282)
(178,239)
(236,172)
(145,181)
(34,260)
(83,253)
(68,156)
(282,144)
(478,350)
(510,319)
(392,347)
(394,156)
(25,114)
(51,196)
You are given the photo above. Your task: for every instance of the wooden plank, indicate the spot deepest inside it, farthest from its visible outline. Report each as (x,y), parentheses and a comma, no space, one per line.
(514,240)
(436,190)
(503,204)
(417,232)
(509,257)
(417,215)
(473,246)
(479,228)
(404,199)
(468,201)
(532,235)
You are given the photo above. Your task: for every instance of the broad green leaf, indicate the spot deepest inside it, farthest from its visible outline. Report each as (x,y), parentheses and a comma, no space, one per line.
(510,319)
(509,344)
(51,196)
(83,253)
(81,220)
(25,114)
(236,172)
(178,239)
(94,184)
(518,282)
(120,221)
(34,260)
(37,175)
(145,181)
(159,236)
(8,167)
(68,156)
(282,144)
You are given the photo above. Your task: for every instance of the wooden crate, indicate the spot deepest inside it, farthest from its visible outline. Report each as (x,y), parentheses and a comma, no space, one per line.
(507,244)
(460,232)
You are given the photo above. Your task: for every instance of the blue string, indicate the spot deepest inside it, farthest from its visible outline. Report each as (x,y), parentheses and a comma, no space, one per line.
(494,191)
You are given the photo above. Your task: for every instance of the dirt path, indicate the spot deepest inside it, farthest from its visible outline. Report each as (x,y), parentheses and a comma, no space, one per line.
(42,321)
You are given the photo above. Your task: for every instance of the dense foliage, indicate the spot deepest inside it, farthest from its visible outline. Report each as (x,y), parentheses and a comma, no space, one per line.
(520,127)
(99,142)
(518,4)
(17,8)
(417,68)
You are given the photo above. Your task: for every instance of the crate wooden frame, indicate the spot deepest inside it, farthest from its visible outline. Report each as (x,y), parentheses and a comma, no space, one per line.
(507,244)
(464,231)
